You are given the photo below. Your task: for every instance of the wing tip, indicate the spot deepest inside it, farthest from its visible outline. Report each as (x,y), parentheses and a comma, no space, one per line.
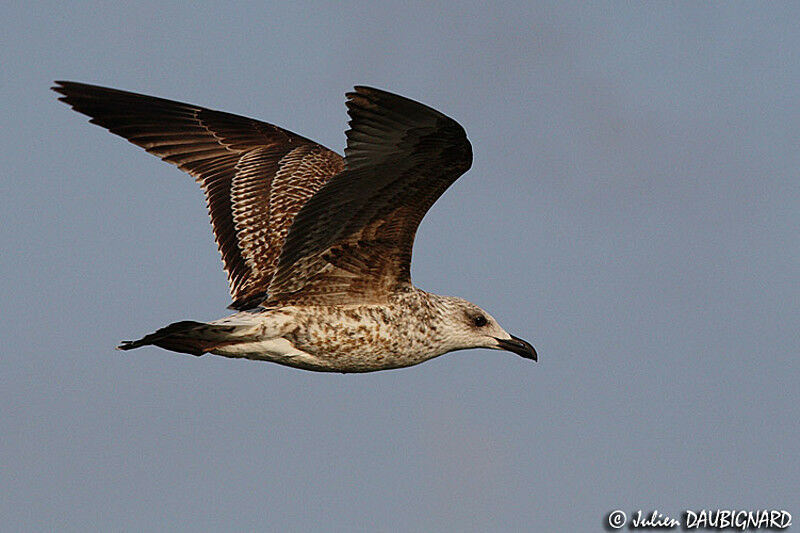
(365,91)
(374,95)
(75,91)
(61,88)
(374,101)
(65,86)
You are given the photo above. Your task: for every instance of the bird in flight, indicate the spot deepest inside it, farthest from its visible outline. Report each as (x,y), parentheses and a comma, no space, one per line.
(317,247)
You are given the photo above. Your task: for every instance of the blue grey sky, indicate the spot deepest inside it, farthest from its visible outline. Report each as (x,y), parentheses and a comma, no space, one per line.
(632,210)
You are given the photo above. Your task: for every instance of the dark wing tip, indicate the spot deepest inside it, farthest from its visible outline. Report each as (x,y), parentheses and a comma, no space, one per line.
(375,113)
(370,97)
(60,85)
(75,88)
(64,88)
(78,95)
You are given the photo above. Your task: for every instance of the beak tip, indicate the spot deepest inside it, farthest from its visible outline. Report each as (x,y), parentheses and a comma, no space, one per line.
(519,347)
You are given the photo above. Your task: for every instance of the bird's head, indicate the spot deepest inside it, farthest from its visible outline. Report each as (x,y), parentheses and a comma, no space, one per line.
(469,326)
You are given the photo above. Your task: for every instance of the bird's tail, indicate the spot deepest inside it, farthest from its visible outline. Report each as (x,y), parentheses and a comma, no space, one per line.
(187,336)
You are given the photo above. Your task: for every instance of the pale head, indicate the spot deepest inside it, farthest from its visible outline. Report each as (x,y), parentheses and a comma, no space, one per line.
(468,326)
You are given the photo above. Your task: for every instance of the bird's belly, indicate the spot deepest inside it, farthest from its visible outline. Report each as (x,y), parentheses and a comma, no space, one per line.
(278,350)
(354,358)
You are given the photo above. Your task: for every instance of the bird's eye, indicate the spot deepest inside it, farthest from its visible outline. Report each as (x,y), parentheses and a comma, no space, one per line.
(479,321)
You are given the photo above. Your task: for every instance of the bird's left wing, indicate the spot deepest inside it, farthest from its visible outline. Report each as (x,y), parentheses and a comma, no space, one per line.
(256,176)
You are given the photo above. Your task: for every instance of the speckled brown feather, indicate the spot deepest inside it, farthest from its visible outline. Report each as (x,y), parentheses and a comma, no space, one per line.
(256,176)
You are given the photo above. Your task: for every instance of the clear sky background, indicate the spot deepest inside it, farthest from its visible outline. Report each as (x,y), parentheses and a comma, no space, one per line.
(633,210)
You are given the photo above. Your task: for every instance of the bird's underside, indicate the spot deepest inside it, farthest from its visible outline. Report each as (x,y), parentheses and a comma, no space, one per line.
(308,234)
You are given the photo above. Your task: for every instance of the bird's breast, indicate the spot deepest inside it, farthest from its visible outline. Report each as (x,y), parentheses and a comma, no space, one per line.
(364,338)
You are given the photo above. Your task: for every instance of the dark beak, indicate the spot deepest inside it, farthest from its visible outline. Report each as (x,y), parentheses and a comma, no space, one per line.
(518,346)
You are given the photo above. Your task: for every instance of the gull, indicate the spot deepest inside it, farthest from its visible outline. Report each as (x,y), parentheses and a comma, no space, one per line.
(317,247)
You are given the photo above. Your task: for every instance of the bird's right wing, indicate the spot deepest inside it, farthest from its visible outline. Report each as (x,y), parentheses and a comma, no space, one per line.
(352,241)
(256,176)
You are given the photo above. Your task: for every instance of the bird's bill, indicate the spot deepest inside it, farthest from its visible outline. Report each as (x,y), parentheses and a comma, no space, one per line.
(518,346)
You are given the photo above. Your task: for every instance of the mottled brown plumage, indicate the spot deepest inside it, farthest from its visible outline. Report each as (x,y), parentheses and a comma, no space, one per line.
(317,248)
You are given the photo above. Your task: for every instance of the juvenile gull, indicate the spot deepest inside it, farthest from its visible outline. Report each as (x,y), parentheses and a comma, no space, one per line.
(317,247)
